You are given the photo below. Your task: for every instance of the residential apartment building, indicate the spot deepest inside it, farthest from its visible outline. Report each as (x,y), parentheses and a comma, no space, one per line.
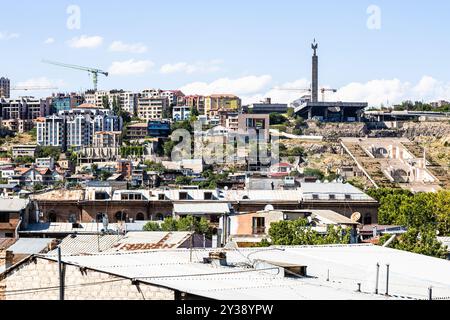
(5,88)
(25,108)
(151,108)
(219,103)
(128,102)
(17,125)
(51,131)
(79,131)
(174,97)
(66,101)
(197,102)
(76,128)
(181,113)
(107,139)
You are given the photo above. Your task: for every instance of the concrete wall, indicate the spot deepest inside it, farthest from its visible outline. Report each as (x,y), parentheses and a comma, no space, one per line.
(86,285)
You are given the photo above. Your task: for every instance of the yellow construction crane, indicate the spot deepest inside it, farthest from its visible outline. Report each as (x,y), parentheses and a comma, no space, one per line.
(94,72)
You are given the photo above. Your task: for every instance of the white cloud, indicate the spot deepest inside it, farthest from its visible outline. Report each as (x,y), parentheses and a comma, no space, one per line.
(8,35)
(49,41)
(241,86)
(394,91)
(376,92)
(119,46)
(197,67)
(130,67)
(40,82)
(85,42)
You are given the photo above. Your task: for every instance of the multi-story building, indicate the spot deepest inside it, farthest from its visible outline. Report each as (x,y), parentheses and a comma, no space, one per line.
(174,97)
(25,108)
(196,102)
(150,108)
(258,123)
(128,102)
(64,101)
(51,131)
(151,93)
(5,88)
(79,131)
(181,113)
(107,139)
(76,127)
(17,125)
(137,131)
(219,103)
(158,128)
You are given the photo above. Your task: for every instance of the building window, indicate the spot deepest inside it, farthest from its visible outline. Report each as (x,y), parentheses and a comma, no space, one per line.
(367,219)
(121,216)
(259,225)
(140,217)
(184,196)
(208,196)
(52,216)
(160,217)
(348,197)
(332,197)
(161,197)
(315,197)
(9,235)
(4,217)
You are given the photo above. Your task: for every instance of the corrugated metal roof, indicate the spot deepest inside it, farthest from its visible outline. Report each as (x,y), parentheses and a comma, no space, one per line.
(62,227)
(5,243)
(347,265)
(135,241)
(87,244)
(30,245)
(13,205)
(200,208)
(339,190)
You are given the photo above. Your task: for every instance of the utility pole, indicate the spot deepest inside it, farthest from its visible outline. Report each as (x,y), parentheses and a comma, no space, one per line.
(61,280)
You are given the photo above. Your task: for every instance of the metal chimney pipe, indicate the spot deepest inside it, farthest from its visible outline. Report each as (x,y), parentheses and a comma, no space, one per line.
(430,293)
(376,280)
(387,279)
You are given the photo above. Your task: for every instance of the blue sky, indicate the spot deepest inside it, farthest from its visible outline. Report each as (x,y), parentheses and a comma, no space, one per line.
(247,47)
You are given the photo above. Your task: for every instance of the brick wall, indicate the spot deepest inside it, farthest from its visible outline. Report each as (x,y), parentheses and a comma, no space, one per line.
(79,285)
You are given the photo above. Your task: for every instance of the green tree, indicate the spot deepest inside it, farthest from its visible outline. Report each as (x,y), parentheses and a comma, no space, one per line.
(290,113)
(152,226)
(309,172)
(183,180)
(421,241)
(169,224)
(276,118)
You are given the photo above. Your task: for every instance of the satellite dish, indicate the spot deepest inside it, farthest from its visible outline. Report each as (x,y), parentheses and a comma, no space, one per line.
(355,217)
(269,207)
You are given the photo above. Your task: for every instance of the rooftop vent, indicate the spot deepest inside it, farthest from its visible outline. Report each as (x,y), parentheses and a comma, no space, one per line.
(218,258)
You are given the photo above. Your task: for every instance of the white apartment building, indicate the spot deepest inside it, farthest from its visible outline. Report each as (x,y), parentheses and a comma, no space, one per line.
(181,113)
(128,101)
(79,132)
(50,131)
